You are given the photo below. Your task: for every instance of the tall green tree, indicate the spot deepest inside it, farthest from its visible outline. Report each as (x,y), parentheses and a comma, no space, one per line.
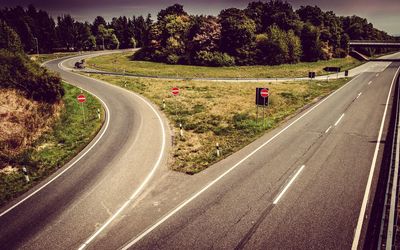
(66,31)
(9,39)
(237,34)
(311,44)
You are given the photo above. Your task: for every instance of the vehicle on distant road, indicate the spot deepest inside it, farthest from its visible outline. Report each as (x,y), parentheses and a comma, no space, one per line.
(80,65)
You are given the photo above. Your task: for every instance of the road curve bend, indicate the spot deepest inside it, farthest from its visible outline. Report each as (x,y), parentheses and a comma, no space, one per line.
(72,206)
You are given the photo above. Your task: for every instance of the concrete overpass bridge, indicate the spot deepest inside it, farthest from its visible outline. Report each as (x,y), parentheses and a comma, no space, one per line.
(371,44)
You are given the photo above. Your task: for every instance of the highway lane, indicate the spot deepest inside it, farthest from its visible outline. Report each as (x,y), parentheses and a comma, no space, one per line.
(231,205)
(66,212)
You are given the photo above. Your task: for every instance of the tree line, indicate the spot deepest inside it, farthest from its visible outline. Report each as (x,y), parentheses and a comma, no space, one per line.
(18,72)
(39,31)
(264,33)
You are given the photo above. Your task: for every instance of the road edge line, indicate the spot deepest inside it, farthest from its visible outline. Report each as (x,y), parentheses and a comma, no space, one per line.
(148,177)
(183,204)
(108,114)
(363,208)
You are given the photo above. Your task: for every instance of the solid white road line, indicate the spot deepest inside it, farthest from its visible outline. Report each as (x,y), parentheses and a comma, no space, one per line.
(288,185)
(369,82)
(363,209)
(108,115)
(144,183)
(327,130)
(392,216)
(359,94)
(186,202)
(340,118)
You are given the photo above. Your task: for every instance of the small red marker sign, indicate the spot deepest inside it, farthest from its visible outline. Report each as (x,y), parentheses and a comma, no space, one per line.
(264,93)
(81,98)
(175,91)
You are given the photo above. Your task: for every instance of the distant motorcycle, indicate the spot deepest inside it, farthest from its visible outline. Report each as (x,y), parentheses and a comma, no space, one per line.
(80,65)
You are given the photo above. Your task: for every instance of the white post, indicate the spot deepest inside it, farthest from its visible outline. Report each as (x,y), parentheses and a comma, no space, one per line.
(218,151)
(163,103)
(98,113)
(25,174)
(180,130)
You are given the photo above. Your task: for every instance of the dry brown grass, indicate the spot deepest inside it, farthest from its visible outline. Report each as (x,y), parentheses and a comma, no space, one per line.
(222,112)
(22,121)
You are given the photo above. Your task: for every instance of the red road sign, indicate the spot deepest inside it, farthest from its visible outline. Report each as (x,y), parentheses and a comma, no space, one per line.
(175,91)
(264,93)
(81,98)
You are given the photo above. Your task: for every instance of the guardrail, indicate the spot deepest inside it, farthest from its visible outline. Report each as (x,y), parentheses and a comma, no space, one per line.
(389,221)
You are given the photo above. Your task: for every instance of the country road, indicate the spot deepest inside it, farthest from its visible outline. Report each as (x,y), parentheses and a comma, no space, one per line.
(307,184)
(118,164)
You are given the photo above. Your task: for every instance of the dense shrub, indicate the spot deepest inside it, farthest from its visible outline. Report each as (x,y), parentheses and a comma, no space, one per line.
(215,59)
(265,33)
(18,72)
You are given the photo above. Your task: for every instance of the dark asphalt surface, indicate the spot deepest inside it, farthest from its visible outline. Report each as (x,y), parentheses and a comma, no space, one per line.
(66,212)
(319,210)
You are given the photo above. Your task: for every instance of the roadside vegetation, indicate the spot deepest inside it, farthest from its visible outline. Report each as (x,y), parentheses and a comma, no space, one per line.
(121,62)
(222,113)
(47,57)
(41,124)
(264,33)
(66,135)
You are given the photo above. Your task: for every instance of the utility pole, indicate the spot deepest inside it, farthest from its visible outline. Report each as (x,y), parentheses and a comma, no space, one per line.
(37,46)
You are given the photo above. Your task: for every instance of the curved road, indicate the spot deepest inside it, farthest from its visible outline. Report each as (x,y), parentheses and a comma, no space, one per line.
(308,184)
(70,206)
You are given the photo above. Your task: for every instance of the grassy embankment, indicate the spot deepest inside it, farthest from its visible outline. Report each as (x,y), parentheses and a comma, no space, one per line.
(54,148)
(122,61)
(221,113)
(46,57)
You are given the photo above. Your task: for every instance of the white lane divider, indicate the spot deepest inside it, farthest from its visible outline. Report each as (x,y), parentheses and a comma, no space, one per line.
(377,74)
(328,129)
(359,94)
(288,185)
(360,222)
(340,118)
(369,82)
(189,200)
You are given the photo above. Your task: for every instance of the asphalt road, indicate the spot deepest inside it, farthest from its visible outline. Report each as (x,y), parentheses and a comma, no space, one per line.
(302,186)
(124,156)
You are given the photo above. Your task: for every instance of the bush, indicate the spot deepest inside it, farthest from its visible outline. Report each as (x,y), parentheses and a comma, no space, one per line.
(215,59)
(172,59)
(18,72)
(339,53)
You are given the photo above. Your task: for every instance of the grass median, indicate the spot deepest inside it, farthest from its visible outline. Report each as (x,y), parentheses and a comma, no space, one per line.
(122,61)
(55,148)
(223,113)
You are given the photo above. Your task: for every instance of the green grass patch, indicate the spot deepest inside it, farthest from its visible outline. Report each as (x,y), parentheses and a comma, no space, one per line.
(222,112)
(46,57)
(55,148)
(122,61)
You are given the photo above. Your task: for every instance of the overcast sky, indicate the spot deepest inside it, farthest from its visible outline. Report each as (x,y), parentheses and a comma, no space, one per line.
(384,14)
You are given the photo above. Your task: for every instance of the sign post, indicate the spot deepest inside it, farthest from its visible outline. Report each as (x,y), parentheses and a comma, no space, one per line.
(262,99)
(175,92)
(81,99)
